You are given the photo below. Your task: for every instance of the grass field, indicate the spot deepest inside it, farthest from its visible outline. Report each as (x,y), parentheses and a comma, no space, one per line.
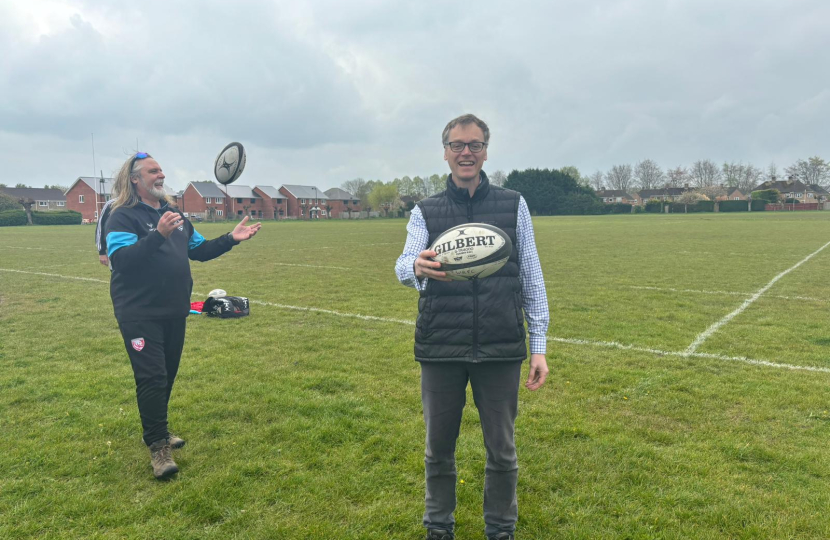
(688,395)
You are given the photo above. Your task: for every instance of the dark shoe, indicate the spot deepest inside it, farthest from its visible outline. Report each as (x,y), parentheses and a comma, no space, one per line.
(162,459)
(501,536)
(176,442)
(439,534)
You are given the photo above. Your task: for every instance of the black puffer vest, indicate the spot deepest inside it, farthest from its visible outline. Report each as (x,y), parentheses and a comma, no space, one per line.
(479,320)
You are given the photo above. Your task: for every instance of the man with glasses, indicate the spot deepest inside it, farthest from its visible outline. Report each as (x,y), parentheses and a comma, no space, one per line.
(149,243)
(473,331)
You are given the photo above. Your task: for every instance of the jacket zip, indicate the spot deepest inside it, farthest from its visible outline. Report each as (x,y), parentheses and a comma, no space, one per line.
(475,294)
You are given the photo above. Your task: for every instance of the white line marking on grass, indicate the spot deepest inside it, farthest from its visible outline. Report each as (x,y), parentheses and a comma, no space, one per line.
(311,266)
(714,328)
(730,293)
(606,344)
(47,249)
(55,275)
(326,311)
(684,354)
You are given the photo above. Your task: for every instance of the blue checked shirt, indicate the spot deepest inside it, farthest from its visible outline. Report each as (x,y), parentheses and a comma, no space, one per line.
(534,296)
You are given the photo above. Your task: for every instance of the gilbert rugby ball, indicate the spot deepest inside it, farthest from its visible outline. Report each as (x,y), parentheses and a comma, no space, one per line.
(472,251)
(229,163)
(217,293)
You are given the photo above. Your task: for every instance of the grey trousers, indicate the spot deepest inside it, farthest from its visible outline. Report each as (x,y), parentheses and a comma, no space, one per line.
(495,393)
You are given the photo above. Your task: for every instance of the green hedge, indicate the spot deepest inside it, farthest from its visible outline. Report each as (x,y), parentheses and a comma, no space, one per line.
(69,217)
(705,206)
(654,207)
(617,208)
(13,217)
(733,206)
(759,206)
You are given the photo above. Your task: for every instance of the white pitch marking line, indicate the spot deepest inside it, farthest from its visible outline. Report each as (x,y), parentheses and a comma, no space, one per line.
(47,249)
(714,328)
(683,354)
(310,266)
(731,293)
(607,344)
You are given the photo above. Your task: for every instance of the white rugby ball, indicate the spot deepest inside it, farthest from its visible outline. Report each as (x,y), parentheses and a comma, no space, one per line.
(229,163)
(472,251)
(217,293)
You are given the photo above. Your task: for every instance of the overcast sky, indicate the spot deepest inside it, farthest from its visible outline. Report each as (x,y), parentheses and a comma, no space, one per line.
(325,91)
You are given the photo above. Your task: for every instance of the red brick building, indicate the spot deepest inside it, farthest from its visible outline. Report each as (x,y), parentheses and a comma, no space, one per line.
(305,202)
(242,201)
(204,200)
(88,195)
(273,202)
(342,202)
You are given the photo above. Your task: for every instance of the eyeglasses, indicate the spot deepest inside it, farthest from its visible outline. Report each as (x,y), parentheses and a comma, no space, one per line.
(458,146)
(139,155)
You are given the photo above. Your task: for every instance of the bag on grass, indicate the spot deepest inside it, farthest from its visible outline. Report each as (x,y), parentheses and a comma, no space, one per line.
(227,307)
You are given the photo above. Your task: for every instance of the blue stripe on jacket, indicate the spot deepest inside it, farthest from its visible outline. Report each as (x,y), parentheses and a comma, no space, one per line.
(196,240)
(117,240)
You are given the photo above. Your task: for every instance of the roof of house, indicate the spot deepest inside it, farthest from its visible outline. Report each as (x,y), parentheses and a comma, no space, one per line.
(614,193)
(306,192)
(95,183)
(783,186)
(731,191)
(207,189)
(37,194)
(337,193)
(818,189)
(671,192)
(241,192)
(271,191)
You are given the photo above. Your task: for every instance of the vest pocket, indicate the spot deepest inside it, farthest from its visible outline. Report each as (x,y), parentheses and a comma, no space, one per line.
(517,301)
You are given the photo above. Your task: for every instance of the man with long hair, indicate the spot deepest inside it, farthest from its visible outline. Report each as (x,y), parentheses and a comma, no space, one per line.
(149,243)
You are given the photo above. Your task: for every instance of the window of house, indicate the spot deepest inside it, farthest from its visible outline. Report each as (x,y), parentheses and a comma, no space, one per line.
(43,203)
(279,201)
(239,212)
(219,200)
(736,199)
(218,212)
(96,214)
(60,203)
(301,201)
(253,201)
(208,200)
(253,213)
(798,195)
(239,201)
(345,202)
(81,199)
(323,212)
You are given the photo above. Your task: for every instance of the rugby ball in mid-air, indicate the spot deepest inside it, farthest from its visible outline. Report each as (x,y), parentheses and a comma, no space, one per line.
(229,163)
(472,251)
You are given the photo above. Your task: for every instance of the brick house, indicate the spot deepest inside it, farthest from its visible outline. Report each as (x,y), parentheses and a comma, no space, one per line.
(88,195)
(45,199)
(733,194)
(342,202)
(204,200)
(795,189)
(273,202)
(661,194)
(242,201)
(610,196)
(305,202)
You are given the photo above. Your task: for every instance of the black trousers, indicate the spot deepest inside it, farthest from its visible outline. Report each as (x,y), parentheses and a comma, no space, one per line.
(155,349)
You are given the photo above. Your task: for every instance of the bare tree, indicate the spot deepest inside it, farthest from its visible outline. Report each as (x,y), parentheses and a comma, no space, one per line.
(705,173)
(812,171)
(688,197)
(677,177)
(596,180)
(619,177)
(648,174)
(498,178)
(771,174)
(358,188)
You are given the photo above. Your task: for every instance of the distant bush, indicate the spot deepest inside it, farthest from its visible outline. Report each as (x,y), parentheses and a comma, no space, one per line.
(69,217)
(639,209)
(705,206)
(769,195)
(758,206)
(7,202)
(13,217)
(654,206)
(618,208)
(733,206)
(788,200)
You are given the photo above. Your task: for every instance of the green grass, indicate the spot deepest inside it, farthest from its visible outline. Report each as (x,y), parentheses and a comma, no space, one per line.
(307,424)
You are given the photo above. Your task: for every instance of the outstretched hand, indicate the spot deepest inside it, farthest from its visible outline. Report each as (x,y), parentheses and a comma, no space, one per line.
(244,232)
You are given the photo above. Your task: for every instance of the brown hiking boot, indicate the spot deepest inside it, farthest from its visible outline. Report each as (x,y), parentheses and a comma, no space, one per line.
(162,459)
(176,442)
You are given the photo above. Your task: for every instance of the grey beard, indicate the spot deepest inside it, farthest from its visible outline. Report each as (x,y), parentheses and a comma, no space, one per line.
(157,193)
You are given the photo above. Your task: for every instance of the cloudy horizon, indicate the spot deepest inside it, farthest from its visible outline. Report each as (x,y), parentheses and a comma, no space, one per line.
(323,92)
